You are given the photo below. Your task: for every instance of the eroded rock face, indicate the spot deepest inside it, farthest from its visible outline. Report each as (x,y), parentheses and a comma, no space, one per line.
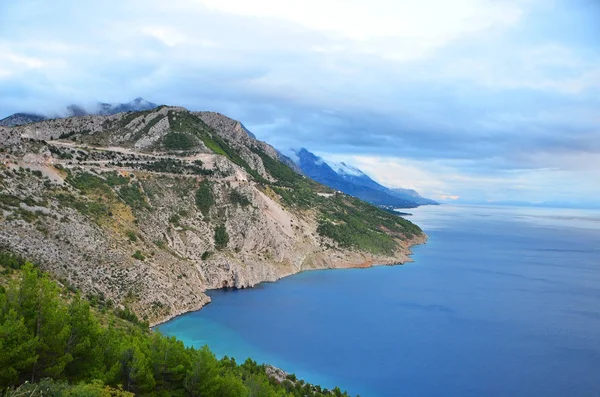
(108,211)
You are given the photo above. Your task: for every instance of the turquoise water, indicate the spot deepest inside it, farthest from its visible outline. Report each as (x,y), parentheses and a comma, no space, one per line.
(500,301)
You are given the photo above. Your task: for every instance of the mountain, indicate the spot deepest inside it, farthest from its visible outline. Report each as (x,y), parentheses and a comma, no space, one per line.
(148,210)
(20,119)
(352,181)
(138,104)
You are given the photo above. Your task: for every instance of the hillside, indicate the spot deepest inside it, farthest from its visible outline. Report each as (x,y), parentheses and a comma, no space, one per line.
(354,182)
(150,209)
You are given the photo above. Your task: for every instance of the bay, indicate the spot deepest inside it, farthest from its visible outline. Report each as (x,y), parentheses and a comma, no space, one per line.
(500,301)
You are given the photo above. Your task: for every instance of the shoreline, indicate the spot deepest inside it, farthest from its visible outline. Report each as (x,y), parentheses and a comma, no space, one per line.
(405,254)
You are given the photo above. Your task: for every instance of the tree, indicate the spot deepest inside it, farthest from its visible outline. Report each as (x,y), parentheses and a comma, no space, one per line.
(204,197)
(202,379)
(83,342)
(17,347)
(170,362)
(136,369)
(36,299)
(221,237)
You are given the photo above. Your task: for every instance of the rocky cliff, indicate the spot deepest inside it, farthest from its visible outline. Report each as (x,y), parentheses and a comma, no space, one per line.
(150,209)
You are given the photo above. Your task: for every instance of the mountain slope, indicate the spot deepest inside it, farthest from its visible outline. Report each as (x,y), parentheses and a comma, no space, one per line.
(150,209)
(354,182)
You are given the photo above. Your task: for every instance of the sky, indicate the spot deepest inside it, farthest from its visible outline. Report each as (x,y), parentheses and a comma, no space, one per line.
(463,100)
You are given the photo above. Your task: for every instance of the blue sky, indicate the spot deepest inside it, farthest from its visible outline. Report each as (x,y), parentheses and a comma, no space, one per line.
(468,100)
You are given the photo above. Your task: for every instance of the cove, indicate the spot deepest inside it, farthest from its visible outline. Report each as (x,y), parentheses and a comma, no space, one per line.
(500,301)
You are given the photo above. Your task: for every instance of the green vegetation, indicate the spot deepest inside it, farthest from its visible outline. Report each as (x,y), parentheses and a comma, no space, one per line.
(93,209)
(173,166)
(353,223)
(204,197)
(238,198)
(55,340)
(9,200)
(50,387)
(221,237)
(9,260)
(188,123)
(138,255)
(131,236)
(114,179)
(99,193)
(285,175)
(179,141)
(348,221)
(88,183)
(133,196)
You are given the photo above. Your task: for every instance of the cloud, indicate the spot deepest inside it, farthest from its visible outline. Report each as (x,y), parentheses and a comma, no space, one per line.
(475,98)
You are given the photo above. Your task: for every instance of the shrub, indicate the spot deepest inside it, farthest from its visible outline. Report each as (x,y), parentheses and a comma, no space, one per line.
(221,237)
(132,236)
(237,198)
(204,197)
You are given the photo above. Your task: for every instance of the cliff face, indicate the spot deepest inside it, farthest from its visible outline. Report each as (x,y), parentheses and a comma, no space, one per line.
(151,209)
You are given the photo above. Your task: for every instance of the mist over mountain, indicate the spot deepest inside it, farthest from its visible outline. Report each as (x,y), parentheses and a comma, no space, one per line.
(101,108)
(354,182)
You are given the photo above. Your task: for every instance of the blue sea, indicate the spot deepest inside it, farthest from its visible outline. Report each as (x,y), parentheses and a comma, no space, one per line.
(501,301)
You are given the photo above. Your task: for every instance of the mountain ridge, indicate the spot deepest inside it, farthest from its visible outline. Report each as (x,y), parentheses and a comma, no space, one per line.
(355,182)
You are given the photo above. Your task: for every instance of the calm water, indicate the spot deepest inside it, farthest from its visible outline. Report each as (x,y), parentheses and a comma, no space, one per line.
(501,301)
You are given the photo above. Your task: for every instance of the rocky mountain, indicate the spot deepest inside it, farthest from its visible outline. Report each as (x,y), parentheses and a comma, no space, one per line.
(352,181)
(150,209)
(138,104)
(20,119)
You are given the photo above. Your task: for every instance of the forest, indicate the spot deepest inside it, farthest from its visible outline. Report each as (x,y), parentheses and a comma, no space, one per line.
(54,342)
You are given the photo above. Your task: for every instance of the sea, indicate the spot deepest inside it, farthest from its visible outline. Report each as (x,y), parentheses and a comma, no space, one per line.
(500,301)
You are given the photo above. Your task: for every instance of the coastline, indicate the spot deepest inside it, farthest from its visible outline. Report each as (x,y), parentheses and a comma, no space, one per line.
(402,256)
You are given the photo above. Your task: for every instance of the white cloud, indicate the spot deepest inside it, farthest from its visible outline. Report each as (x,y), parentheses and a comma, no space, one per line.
(431,79)
(423,177)
(462,180)
(416,26)
(166,34)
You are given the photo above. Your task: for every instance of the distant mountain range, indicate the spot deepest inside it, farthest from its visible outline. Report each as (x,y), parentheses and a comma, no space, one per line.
(102,109)
(354,182)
